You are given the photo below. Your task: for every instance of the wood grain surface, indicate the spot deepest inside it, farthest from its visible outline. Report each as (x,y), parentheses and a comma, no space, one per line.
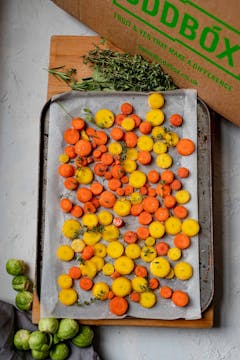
(68,51)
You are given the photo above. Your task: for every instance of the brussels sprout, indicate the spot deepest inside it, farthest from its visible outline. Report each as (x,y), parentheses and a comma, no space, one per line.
(24,300)
(20,283)
(68,328)
(59,352)
(84,338)
(15,267)
(49,325)
(40,341)
(40,355)
(56,339)
(21,339)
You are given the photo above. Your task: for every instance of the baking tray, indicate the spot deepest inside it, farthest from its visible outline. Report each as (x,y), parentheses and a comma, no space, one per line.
(204,204)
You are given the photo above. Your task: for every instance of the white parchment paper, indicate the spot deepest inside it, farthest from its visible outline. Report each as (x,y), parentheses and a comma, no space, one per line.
(183,102)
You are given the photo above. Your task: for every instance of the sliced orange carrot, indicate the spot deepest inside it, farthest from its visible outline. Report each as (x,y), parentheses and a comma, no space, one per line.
(145,127)
(86,283)
(136,209)
(88,252)
(100,169)
(162,214)
(125,179)
(107,199)
(95,202)
(90,131)
(89,207)
(153,176)
(77,211)
(116,133)
(130,139)
(78,123)
(134,296)
(167,176)
(169,201)
(80,161)
(96,188)
(162,248)
(130,237)
(66,170)
(75,272)
(71,183)
(163,190)
(84,194)
(83,147)
(141,271)
(119,118)
(145,218)
(152,192)
(108,175)
(128,189)
(180,298)
(143,232)
(118,305)
(150,204)
(126,108)
(114,184)
(107,159)
(180,211)
(143,190)
(144,157)
(115,275)
(185,147)
(182,241)
(120,191)
(183,172)
(176,185)
(117,171)
(153,283)
(136,119)
(165,292)
(176,120)
(100,137)
(97,154)
(66,205)
(71,136)
(110,295)
(70,151)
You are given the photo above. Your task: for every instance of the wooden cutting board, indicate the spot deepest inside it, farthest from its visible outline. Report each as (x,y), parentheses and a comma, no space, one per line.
(68,51)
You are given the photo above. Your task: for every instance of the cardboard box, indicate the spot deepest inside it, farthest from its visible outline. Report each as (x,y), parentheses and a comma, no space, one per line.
(196,42)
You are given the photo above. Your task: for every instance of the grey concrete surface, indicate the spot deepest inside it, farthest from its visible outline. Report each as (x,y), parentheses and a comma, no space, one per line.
(26,27)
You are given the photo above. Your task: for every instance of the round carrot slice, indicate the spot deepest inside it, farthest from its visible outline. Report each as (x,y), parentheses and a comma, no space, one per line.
(118,305)
(182,241)
(180,298)
(185,147)
(71,136)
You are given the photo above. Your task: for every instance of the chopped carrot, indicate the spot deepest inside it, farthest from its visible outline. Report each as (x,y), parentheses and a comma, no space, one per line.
(143,190)
(77,211)
(89,207)
(70,151)
(143,232)
(115,275)
(125,179)
(153,283)
(107,199)
(162,248)
(180,211)
(169,201)
(66,170)
(100,169)
(126,108)
(145,127)
(96,188)
(116,133)
(100,137)
(120,191)
(134,296)
(185,147)
(78,123)
(97,154)
(163,190)
(161,214)
(80,161)
(180,298)
(90,131)
(117,171)
(83,147)
(74,272)
(176,185)
(90,160)
(145,218)
(167,176)
(165,292)
(118,305)
(86,283)
(141,271)
(119,118)
(128,189)
(144,157)
(150,204)
(88,252)
(153,176)
(66,205)
(107,159)
(183,172)
(182,241)
(110,295)
(136,209)
(71,183)
(176,120)
(84,194)
(130,237)
(136,119)
(71,136)
(95,202)
(131,139)
(114,184)
(103,148)
(152,192)
(108,175)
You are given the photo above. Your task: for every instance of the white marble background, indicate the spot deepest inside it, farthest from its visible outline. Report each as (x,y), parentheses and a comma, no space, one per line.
(25,30)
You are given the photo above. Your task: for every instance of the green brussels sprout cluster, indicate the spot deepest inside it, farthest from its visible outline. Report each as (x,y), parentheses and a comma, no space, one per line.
(20,283)
(50,338)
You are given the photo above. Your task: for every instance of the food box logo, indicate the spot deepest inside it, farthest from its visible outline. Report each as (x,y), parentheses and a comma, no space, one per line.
(191,26)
